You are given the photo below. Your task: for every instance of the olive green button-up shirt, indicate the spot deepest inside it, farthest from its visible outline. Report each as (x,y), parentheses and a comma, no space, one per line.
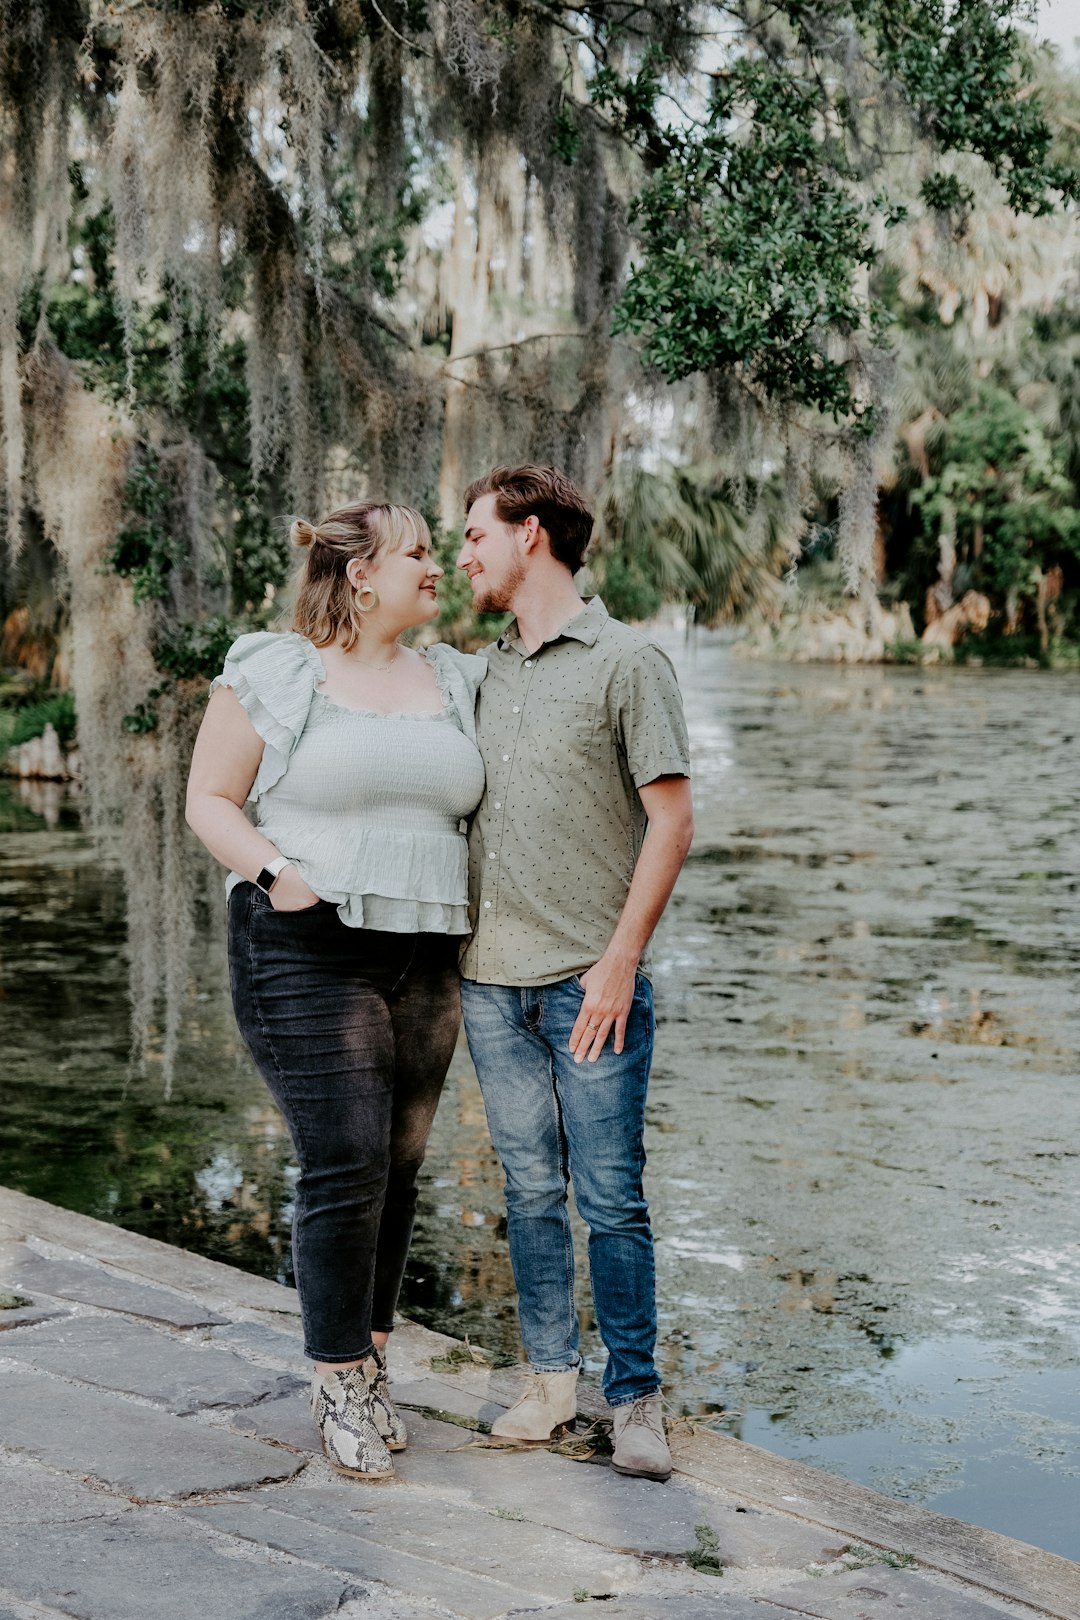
(568,734)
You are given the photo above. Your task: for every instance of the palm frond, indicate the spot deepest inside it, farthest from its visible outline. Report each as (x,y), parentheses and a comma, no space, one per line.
(678,528)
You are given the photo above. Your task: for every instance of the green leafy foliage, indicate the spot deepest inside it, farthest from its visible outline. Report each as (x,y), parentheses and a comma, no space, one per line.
(143,718)
(750,238)
(1002,486)
(146,548)
(566,136)
(967,71)
(946,194)
(759,218)
(189,651)
(196,650)
(27,717)
(200,385)
(675,534)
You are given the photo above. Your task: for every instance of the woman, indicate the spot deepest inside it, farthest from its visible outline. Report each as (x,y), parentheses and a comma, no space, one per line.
(347,898)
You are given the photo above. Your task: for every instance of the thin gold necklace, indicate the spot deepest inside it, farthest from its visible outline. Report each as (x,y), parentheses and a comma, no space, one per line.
(379,669)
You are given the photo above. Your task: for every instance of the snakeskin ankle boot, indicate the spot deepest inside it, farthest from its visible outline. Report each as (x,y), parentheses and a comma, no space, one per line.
(388,1419)
(343,1406)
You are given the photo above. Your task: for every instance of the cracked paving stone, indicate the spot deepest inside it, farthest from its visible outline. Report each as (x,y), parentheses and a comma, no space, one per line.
(442,1395)
(160,1565)
(550,1562)
(25,1272)
(639,1515)
(878,1592)
(434,1539)
(176,1373)
(346,1547)
(33,1495)
(717,1605)
(287,1421)
(27,1315)
(135,1449)
(284,1349)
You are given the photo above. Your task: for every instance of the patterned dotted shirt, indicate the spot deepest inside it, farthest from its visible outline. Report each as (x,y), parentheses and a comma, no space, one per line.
(569,733)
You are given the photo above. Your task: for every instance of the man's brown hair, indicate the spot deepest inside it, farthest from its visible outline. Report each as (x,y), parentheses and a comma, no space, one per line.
(544,493)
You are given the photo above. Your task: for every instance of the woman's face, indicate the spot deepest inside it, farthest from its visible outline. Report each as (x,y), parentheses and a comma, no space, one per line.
(405,580)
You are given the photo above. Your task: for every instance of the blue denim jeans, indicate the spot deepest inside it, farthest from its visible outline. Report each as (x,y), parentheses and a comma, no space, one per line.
(553,1122)
(353,1031)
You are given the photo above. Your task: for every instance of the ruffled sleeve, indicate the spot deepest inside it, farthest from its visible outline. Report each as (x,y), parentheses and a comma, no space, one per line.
(274,676)
(459,675)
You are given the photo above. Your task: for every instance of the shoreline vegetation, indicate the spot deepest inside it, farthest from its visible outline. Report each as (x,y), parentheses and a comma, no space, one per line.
(38,725)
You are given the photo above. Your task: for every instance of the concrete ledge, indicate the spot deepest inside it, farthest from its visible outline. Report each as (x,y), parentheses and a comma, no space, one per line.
(1012,1569)
(145,1387)
(219,1287)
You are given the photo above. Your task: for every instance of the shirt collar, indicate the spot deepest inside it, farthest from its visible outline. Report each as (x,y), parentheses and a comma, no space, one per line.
(584,627)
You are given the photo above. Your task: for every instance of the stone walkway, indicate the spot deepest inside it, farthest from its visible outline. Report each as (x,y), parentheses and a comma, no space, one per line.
(155,1461)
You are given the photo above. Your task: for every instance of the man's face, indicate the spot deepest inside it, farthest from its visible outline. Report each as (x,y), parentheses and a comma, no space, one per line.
(493,556)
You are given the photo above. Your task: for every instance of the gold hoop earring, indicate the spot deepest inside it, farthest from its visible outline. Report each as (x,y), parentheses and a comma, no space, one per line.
(358,598)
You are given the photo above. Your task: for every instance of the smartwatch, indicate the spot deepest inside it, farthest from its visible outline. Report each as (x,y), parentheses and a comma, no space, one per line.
(270,874)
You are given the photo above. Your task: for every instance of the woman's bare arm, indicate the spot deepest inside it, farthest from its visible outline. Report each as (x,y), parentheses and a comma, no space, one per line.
(224,764)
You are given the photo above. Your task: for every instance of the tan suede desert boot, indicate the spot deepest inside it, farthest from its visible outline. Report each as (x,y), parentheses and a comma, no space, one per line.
(641,1446)
(548,1404)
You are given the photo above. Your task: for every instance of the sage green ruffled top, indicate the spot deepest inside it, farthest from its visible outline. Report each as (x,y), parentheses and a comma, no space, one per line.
(371,808)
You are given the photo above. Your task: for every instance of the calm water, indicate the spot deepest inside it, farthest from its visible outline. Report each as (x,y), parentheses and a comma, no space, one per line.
(863,1141)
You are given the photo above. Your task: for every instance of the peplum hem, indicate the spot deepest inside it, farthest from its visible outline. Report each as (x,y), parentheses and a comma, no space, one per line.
(385,914)
(375,911)
(409,882)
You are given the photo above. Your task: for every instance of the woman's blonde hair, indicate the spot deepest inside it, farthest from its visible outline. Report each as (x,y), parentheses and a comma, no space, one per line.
(324,611)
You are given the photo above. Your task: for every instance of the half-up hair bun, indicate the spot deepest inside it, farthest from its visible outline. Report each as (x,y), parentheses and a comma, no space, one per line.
(303,534)
(324,610)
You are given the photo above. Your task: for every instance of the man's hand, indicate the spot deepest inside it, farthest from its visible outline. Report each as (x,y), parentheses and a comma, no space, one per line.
(609,993)
(609,986)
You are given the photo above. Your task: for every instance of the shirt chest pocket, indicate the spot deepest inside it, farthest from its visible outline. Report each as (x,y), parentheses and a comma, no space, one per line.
(560,732)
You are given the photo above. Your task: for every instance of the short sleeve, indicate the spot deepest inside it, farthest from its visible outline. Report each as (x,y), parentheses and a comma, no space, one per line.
(274,676)
(459,675)
(649,720)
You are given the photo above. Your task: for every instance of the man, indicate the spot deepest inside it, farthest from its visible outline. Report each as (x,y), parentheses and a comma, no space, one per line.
(582,732)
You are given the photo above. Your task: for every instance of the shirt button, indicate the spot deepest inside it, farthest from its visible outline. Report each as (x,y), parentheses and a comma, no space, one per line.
(487,905)
(505,758)
(516,709)
(528,663)
(492,855)
(498,804)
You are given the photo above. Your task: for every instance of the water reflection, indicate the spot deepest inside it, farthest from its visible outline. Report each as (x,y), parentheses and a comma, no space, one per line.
(863,1121)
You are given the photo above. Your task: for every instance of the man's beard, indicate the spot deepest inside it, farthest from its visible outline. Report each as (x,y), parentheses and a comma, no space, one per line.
(500,598)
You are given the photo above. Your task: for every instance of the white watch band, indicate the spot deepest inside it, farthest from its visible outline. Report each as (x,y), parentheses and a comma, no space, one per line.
(277,866)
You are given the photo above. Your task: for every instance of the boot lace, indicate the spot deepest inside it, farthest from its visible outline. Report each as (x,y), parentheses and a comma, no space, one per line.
(648,1415)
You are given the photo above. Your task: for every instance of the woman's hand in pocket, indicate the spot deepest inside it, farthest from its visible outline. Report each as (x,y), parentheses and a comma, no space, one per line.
(291,893)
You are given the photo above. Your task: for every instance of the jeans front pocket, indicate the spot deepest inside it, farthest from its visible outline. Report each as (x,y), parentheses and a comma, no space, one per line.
(263,905)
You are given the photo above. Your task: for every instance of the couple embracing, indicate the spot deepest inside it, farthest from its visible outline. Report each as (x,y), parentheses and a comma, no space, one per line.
(563,752)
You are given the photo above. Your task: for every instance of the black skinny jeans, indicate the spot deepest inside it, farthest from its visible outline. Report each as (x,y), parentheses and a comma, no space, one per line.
(353,1031)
